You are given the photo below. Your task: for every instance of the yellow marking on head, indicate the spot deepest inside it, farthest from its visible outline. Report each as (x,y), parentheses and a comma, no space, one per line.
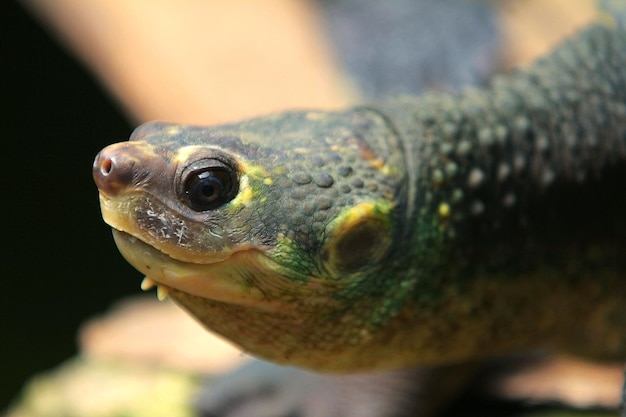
(138,151)
(185,152)
(254,171)
(355,214)
(250,183)
(245,194)
(377,163)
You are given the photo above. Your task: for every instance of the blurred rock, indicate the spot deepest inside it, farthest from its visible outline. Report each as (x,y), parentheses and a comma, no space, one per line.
(99,388)
(144,330)
(561,379)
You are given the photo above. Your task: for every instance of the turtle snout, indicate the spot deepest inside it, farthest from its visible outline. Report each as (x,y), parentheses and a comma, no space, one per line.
(113,169)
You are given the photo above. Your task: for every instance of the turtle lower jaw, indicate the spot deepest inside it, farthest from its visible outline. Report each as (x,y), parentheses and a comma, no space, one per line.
(223,281)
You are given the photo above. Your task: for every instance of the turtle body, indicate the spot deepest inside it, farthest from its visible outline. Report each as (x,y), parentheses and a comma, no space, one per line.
(416,233)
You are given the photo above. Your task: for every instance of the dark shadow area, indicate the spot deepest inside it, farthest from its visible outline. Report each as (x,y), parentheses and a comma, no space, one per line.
(59,263)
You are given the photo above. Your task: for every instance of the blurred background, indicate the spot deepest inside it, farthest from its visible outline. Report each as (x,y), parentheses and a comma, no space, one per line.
(60,265)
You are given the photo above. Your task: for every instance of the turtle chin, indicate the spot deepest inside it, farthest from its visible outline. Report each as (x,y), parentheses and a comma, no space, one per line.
(233,280)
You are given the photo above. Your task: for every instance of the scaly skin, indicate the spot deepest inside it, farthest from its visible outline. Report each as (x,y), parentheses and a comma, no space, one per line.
(424,230)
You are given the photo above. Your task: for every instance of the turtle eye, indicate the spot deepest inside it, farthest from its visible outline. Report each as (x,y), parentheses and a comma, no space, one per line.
(209,187)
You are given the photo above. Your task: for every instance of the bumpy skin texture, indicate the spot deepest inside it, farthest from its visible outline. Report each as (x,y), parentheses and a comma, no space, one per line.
(517,202)
(419,231)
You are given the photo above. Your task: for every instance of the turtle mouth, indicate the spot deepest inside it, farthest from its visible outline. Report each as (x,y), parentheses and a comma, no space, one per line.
(157,266)
(149,220)
(230,280)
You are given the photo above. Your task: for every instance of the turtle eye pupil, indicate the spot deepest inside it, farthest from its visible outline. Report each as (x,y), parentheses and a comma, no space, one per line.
(208,189)
(209,192)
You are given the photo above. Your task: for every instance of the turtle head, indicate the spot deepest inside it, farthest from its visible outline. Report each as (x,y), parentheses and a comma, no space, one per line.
(267,230)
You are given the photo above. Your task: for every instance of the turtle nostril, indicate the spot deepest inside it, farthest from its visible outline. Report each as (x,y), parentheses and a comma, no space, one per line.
(106,166)
(113,170)
(122,166)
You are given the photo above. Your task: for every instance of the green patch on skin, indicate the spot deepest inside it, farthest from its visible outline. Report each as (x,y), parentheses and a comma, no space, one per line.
(290,256)
(356,240)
